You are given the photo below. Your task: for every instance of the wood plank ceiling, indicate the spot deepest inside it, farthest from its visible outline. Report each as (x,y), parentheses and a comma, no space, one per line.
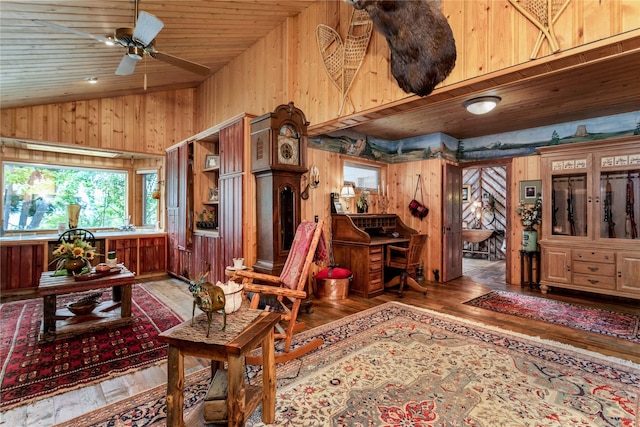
(39,65)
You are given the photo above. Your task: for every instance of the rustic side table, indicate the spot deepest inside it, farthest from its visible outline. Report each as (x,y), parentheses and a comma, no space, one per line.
(246,329)
(527,259)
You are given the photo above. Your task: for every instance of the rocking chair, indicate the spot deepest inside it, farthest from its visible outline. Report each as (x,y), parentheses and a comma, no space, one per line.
(308,246)
(406,259)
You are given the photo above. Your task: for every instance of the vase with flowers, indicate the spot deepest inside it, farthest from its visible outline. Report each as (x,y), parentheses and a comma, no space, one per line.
(363,202)
(74,256)
(530,215)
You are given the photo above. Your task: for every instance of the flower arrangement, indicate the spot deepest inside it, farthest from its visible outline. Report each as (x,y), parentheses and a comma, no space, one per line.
(363,201)
(531,215)
(77,250)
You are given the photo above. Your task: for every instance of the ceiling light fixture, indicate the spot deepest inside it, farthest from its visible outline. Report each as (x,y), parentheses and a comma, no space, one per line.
(69,150)
(481,105)
(92,80)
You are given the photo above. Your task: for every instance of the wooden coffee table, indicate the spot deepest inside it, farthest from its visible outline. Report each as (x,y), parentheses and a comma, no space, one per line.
(246,329)
(57,323)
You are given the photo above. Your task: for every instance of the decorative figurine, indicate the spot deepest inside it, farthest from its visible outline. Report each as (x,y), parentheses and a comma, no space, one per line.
(209,298)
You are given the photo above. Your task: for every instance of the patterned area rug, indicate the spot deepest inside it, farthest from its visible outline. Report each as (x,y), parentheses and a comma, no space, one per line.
(606,322)
(31,369)
(397,365)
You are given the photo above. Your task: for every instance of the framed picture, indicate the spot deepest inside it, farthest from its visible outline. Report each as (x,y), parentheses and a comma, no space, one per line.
(338,206)
(466,193)
(529,191)
(211,161)
(213,194)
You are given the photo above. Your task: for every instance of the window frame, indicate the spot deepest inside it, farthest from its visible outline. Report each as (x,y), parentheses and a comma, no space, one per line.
(13,162)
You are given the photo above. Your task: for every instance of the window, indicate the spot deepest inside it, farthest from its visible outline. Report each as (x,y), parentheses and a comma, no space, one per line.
(36,196)
(364,176)
(150,191)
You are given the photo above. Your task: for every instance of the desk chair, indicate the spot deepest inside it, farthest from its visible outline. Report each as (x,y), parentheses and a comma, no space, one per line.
(407,259)
(308,246)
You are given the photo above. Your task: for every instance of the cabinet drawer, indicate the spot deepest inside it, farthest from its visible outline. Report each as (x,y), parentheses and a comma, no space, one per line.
(599,256)
(594,268)
(375,282)
(375,258)
(593,281)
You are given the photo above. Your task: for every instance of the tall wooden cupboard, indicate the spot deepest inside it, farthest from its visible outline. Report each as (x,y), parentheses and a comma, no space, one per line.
(205,185)
(591,217)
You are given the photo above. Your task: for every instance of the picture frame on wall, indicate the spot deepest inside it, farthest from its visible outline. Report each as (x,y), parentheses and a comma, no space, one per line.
(466,193)
(529,191)
(211,161)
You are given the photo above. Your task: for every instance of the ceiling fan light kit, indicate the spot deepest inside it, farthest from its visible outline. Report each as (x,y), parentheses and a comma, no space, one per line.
(481,105)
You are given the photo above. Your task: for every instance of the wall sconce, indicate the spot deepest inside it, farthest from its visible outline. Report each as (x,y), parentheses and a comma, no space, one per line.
(481,105)
(314,176)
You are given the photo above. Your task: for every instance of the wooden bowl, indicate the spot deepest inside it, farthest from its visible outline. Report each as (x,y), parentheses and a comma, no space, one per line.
(81,309)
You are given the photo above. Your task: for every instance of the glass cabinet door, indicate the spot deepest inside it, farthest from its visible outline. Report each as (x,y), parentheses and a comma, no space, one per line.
(620,204)
(569,214)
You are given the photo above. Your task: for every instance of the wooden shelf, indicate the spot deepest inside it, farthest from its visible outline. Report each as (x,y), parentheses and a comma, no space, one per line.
(217,168)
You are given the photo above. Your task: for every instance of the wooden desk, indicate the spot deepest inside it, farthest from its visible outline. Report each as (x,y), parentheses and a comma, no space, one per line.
(246,329)
(59,323)
(358,244)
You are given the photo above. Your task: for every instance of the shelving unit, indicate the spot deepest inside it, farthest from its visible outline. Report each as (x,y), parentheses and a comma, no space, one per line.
(591,199)
(206,216)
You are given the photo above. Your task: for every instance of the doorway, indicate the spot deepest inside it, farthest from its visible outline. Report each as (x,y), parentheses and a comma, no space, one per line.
(484,222)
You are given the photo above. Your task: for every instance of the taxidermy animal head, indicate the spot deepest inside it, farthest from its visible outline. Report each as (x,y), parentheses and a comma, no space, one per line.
(423,50)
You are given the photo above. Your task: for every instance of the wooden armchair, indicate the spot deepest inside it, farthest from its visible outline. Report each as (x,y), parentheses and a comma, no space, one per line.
(406,259)
(288,288)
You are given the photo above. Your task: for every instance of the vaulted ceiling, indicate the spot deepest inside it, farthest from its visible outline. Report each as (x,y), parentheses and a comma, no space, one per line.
(40,64)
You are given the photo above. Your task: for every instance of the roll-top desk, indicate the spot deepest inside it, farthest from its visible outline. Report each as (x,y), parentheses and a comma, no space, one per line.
(358,243)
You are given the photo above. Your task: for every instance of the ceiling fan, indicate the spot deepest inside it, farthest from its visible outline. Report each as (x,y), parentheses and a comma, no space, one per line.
(138,41)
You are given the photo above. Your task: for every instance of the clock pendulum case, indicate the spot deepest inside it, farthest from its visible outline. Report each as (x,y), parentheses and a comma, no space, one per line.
(278,160)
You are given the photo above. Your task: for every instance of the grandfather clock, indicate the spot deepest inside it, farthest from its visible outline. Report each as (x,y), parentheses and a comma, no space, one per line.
(278,160)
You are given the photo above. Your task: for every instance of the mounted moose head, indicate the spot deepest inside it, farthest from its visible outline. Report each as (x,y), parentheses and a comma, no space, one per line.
(423,50)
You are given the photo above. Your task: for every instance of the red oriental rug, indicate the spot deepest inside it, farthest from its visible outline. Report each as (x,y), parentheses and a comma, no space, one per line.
(606,322)
(399,365)
(33,369)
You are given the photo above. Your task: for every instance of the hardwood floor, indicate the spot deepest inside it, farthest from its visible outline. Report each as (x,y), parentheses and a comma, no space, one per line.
(480,277)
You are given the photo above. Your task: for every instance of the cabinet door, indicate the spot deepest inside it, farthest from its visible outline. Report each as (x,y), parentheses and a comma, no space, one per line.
(152,254)
(556,265)
(22,266)
(126,252)
(628,272)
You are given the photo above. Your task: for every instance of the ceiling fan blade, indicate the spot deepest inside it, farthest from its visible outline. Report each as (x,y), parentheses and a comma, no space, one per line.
(127,66)
(181,63)
(147,28)
(72,31)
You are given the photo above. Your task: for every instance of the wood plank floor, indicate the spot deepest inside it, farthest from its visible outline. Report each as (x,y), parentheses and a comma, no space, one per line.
(480,277)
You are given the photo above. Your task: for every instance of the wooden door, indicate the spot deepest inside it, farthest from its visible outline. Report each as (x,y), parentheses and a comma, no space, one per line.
(451,222)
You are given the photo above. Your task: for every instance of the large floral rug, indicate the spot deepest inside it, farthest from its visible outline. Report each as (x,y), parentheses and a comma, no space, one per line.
(397,365)
(33,369)
(617,324)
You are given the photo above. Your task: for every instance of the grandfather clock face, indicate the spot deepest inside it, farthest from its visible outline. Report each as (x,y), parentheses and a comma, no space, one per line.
(288,146)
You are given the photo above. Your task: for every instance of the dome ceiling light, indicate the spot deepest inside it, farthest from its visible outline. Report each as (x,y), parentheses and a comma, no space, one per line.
(481,105)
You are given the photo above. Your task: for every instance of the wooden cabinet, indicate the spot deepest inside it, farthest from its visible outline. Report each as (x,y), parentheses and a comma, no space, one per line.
(591,199)
(144,256)
(22,265)
(210,169)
